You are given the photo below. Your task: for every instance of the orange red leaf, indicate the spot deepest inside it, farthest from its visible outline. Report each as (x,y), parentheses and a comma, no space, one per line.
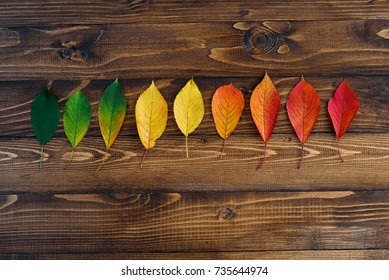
(342,109)
(227,107)
(303,106)
(265,105)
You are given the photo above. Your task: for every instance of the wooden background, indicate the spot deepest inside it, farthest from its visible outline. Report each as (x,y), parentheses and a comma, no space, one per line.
(202,207)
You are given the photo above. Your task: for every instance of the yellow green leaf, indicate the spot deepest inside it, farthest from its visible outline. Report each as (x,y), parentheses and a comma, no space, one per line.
(111,113)
(76,119)
(151,113)
(188,110)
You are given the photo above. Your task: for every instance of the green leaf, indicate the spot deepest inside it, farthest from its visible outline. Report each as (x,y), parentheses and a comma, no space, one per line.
(76,117)
(45,113)
(111,113)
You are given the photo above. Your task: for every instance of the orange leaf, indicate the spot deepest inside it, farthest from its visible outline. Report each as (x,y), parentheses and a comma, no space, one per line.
(265,105)
(303,106)
(342,109)
(227,107)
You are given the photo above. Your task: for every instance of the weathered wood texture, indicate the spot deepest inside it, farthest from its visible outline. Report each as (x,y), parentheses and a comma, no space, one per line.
(175,11)
(202,207)
(230,49)
(173,222)
(219,255)
(166,168)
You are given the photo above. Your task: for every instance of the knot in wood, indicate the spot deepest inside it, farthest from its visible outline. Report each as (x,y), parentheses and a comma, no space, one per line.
(74,53)
(225,213)
(66,53)
(260,40)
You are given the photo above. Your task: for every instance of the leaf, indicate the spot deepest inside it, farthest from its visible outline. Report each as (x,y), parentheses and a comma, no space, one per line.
(151,113)
(303,106)
(265,105)
(342,109)
(76,118)
(111,113)
(227,107)
(45,114)
(188,110)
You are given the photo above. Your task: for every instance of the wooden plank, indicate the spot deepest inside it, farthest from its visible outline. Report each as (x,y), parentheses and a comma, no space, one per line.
(258,255)
(197,222)
(122,11)
(16,99)
(229,49)
(166,168)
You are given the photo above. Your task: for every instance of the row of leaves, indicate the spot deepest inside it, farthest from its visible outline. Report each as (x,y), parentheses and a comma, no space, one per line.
(151,113)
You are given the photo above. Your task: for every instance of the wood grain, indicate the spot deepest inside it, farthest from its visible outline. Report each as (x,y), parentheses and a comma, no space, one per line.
(166,168)
(220,255)
(172,11)
(16,99)
(197,222)
(202,207)
(228,49)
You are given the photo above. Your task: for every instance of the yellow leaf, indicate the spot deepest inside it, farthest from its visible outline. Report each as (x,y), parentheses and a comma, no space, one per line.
(188,110)
(151,117)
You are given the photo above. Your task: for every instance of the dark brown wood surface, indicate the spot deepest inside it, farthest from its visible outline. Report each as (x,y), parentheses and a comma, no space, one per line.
(226,49)
(38,12)
(202,207)
(195,222)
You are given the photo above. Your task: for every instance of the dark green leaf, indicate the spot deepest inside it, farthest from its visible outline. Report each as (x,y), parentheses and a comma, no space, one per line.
(45,115)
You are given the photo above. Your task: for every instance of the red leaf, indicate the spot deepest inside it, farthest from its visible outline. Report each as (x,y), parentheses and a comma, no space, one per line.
(342,109)
(303,106)
(265,105)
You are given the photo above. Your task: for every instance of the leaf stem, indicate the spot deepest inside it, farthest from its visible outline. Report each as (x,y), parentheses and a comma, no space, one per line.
(264,157)
(70,160)
(340,156)
(143,158)
(102,163)
(223,149)
(302,154)
(186,146)
(41,157)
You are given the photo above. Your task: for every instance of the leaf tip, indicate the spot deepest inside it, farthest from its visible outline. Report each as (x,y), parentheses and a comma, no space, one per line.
(345,83)
(192,81)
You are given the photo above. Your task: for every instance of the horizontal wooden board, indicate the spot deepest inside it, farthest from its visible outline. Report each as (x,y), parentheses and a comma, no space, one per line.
(222,255)
(16,98)
(129,11)
(166,168)
(229,49)
(197,222)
